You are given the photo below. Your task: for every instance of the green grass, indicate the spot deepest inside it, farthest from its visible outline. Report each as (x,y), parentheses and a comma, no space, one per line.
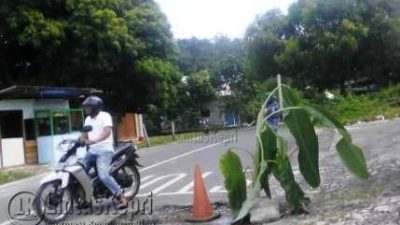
(165,139)
(353,108)
(9,176)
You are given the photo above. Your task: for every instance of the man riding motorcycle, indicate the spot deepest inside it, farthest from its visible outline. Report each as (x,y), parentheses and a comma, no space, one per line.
(100,140)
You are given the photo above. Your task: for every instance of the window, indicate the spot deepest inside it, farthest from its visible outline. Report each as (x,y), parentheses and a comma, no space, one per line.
(61,123)
(44,126)
(76,120)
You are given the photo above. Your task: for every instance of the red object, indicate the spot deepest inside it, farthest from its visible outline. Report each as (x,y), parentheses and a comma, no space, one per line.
(202,208)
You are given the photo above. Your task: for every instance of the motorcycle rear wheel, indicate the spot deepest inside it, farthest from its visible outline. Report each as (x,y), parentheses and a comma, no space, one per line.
(133,172)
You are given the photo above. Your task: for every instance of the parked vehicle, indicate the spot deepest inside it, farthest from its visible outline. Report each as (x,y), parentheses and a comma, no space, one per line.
(205,122)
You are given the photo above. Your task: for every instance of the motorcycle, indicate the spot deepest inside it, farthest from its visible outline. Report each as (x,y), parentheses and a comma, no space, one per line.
(204,122)
(71,184)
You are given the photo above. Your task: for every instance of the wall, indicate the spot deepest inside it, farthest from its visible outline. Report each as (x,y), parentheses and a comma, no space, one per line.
(217,115)
(12,151)
(43,104)
(25,105)
(28,106)
(49,151)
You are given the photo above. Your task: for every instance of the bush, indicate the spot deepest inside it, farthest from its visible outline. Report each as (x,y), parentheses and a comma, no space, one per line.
(272,157)
(353,108)
(390,95)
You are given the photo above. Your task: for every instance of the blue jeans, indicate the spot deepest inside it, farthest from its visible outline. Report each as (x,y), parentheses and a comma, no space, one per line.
(102,159)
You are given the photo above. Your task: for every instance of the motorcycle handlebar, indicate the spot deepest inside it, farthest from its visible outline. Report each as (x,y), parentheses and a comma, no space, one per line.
(72,151)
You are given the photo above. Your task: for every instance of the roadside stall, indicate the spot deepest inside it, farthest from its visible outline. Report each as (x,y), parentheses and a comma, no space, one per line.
(33,119)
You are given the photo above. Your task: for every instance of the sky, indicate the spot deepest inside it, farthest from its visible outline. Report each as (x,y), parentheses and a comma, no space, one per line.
(208,18)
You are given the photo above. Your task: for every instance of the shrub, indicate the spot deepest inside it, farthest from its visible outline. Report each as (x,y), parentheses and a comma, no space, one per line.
(272,158)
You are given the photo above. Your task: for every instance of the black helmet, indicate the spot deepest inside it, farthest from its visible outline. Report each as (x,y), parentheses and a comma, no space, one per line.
(94,102)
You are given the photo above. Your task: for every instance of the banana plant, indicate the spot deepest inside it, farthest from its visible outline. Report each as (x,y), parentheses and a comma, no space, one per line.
(272,159)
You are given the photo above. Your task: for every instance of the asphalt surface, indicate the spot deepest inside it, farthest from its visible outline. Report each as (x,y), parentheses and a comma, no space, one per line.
(167,173)
(168,170)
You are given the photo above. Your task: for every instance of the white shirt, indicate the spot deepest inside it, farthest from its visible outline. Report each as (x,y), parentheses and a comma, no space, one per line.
(102,120)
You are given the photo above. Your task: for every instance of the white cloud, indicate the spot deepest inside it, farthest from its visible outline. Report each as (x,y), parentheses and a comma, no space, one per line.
(207,18)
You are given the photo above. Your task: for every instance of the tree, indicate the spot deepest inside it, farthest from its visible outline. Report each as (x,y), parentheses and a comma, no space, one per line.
(380,50)
(264,39)
(195,55)
(121,46)
(328,43)
(198,88)
(326,37)
(224,60)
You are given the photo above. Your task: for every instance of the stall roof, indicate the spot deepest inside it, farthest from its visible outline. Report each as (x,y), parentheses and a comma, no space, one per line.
(44,92)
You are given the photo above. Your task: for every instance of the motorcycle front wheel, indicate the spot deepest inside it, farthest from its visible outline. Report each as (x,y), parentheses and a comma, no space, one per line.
(52,203)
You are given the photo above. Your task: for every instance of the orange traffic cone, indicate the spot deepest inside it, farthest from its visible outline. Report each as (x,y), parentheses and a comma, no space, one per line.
(202,208)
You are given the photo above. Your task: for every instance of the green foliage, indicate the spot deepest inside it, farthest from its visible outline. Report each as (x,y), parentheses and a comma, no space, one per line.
(167,139)
(266,151)
(235,180)
(254,193)
(353,108)
(325,118)
(327,43)
(350,154)
(195,55)
(199,88)
(284,174)
(254,98)
(120,46)
(263,42)
(271,155)
(156,70)
(390,95)
(300,126)
(10,176)
(353,158)
(223,59)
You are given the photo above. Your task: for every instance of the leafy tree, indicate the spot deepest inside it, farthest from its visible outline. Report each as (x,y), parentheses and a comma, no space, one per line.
(327,43)
(198,88)
(223,58)
(193,92)
(264,39)
(124,47)
(380,50)
(195,55)
(326,39)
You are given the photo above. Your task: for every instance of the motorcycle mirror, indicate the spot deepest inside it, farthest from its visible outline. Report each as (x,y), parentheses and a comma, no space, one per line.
(87,129)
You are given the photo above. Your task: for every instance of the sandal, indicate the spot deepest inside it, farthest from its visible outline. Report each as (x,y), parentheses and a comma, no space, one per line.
(123,202)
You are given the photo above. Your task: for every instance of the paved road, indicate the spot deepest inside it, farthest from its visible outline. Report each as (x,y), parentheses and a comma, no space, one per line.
(168,170)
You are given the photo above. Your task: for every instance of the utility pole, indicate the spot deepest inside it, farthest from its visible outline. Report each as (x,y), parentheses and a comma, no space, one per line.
(173,130)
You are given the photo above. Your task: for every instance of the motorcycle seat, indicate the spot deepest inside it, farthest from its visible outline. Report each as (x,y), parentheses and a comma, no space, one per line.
(121,150)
